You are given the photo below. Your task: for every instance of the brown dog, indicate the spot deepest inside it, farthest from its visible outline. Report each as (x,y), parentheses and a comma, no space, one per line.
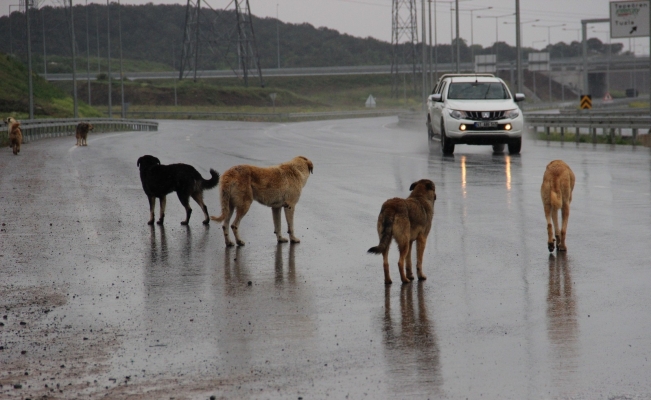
(406,220)
(276,187)
(15,134)
(82,133)
(556,194)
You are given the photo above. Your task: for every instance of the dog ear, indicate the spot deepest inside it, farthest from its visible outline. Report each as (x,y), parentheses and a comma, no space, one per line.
(413,185)
(138,163)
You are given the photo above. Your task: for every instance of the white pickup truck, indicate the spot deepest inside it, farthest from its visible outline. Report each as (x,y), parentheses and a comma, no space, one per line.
(474,109)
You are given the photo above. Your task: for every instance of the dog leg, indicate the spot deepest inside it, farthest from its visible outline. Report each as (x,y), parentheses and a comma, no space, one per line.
(241,212)
(550,232)
(198,197)
(152,206)
(163,201)
(557,227)
(227,220)
(566,217)
(421,241)
(385,264)
(185,202)
(289,216)
(275,212)
(409,272)
(403,248)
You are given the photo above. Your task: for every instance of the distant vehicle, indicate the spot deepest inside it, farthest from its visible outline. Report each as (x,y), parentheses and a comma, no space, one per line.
(474,109)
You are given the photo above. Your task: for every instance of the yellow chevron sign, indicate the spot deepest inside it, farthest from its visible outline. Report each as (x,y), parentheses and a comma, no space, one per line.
(586,102)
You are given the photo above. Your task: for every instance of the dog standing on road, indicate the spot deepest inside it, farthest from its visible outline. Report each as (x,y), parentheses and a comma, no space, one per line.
(82,133)
(277,187)
(406,220)
(556,194)
(160,180)
(15,134)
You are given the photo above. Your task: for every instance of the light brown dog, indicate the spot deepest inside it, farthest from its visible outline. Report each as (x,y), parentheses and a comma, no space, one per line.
(556,194)
(82,133)
(406,220)
(15,134)
(276,187)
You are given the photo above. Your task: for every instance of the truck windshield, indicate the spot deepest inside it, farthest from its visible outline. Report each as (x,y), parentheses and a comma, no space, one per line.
(477,90)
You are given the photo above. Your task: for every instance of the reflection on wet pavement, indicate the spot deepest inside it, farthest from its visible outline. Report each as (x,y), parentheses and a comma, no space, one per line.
(411,347)
(562,324)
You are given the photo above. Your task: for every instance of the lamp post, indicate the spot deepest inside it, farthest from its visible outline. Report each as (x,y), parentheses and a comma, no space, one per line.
(549,42)
(108,47)
(123,112)
(578,33)
(472,34)
(518,43)
(608,61)
(497,18)
(277,36)
(533,45)
(87,54)
(29,61)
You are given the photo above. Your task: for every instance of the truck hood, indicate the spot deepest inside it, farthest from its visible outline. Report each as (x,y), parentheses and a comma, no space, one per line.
(481,105)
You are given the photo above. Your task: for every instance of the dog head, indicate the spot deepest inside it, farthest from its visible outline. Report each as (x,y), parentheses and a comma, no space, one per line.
(90,127)
(147,161)
(10,120)
(423,187)
(310,166)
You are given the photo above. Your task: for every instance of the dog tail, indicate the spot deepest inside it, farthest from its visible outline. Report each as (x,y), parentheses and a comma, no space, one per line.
(385,236)
(226,204)
(212,182)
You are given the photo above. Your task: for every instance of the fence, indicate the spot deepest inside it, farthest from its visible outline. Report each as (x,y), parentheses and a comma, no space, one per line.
(274,117)
(593,124)
(34,129)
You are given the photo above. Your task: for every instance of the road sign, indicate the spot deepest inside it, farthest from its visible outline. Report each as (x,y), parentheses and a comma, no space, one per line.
(370,101)
(538,61)
(485,63)
(629,19)
(608,98)
(586,102)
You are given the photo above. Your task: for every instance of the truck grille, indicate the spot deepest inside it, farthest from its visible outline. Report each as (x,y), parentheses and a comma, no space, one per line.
(477,115)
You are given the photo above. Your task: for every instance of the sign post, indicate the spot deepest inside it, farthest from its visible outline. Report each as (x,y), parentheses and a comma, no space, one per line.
(273,100)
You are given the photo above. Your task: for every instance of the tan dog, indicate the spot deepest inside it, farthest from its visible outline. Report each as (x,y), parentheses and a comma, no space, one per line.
(556,194)
(15,134)
(82,133)
(276,187)
(406,220)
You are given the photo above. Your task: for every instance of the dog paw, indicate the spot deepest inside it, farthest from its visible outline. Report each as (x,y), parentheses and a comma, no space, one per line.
(150,222)
(550,246)
(422,278)
(562,248)
(388,282)
(207,222)
(282,240)
(230,244)
(159,222)
(184,222)
(295,240)
(240,243)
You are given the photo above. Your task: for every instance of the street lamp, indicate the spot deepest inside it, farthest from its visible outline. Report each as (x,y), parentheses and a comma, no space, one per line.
(497,17)
(578,33)
(549,76)
(533,45)
(608,62)
(472,34)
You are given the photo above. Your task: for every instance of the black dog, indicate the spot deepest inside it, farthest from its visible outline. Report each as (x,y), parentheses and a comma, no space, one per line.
(160,180)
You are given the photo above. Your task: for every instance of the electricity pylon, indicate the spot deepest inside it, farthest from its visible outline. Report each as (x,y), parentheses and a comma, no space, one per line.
(404,36)
(211,30)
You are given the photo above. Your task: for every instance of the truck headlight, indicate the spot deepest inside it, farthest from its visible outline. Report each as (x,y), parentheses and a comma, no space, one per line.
(457,114)
(512,114)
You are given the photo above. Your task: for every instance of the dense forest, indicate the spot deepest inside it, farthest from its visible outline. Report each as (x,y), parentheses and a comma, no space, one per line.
(154,34)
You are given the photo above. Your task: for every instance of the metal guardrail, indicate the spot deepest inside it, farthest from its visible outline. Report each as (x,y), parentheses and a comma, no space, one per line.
(593,123)
(34,129)
(271,116)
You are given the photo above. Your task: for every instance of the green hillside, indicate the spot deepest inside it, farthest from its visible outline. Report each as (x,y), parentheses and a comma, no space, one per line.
(49,101)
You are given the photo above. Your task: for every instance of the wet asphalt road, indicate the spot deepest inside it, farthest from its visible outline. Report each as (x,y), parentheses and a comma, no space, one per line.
(114,307)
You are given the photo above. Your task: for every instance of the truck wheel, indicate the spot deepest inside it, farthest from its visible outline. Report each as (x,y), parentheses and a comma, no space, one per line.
(447,145)
(515,146)
(498,148)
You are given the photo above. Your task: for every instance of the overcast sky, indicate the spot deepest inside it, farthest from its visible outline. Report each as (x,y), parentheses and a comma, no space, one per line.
(365,18)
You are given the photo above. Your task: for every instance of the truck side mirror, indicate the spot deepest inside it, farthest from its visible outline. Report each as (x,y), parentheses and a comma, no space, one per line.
(519,97)
(435,97)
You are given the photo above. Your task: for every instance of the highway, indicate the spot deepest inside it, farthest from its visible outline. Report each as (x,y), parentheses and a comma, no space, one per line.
(97,304)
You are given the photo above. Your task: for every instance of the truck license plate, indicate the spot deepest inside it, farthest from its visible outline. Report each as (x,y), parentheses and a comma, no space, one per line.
(486,124)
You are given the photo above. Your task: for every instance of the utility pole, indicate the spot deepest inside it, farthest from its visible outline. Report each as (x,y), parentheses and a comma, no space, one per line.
(108,24)
(429,49)
(123,111)
(403,26)
(44,53)
(424,53)
(278,36)
(87,54)
(29,62)
(74,63)
(456,5)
